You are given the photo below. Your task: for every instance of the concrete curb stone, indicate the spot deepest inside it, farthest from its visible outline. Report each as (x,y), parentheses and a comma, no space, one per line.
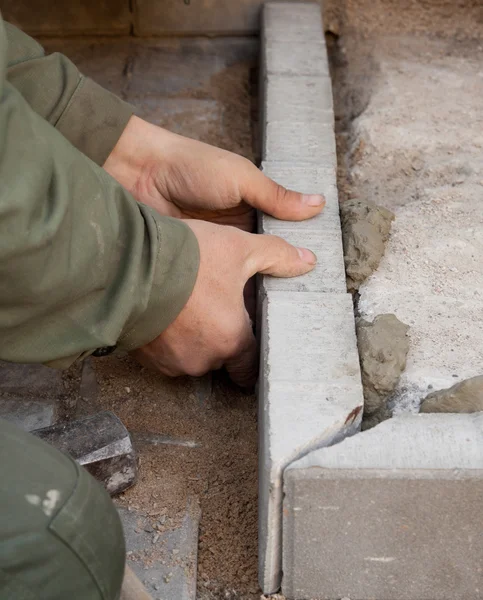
(310,392)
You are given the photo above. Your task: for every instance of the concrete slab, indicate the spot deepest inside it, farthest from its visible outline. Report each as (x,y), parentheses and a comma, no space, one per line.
(391,513)
(310,396)
(163,558)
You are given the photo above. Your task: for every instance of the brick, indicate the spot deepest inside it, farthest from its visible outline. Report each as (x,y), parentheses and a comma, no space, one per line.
(29,414)
(298,99)
(307,142)
(285,23)
(310,395)
(390,513)
(294,58)
(329,273)
(44,17)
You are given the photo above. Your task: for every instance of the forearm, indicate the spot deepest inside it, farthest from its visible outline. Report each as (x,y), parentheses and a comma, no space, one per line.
(90,117)
(82,264)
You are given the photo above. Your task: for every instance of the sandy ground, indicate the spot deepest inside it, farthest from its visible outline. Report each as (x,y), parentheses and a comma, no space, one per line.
(410,138)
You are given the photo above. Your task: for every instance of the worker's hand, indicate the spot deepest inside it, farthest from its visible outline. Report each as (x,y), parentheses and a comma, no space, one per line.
(181,177)
(214,328)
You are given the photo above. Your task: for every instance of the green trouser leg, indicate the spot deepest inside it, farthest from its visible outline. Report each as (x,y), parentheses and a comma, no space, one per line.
(60,534)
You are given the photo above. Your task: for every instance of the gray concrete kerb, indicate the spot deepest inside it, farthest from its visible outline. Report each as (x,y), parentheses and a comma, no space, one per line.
(310,392)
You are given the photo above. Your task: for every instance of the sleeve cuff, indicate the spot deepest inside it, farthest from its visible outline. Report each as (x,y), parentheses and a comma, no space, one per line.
(177,263)
(94,120)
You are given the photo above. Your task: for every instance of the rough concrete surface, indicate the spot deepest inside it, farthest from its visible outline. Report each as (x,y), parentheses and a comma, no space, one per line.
(383,346)
(300,98)
(308,141)
(463,397)
(390,513)
(419,154)
(365,231)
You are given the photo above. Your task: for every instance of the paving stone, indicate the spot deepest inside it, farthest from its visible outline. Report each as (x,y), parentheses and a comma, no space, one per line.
(309,142)
(310,396)
(298,99)
(202,16)
(392,513)
(164,560)
(284,23)
(294,58)
(29,380)
(29,414)
(44,17)
(329,273)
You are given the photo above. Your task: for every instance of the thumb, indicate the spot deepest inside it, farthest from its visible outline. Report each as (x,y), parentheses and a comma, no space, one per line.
(263,193)
(271,255)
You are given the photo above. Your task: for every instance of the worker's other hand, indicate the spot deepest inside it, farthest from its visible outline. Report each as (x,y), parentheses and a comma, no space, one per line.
(181,177)
(214,328)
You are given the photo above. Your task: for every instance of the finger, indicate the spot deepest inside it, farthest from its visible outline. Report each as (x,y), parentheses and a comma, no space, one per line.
(243,368)
(263,193)
(271,255)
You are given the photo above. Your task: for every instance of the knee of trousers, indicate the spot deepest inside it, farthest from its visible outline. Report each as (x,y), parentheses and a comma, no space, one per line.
(60,534)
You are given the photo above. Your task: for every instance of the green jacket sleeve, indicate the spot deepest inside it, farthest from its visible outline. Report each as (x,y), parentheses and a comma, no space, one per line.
(89,116)
(82,264)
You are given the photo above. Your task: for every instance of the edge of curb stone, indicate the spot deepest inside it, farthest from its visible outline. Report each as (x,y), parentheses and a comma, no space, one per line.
(310,391)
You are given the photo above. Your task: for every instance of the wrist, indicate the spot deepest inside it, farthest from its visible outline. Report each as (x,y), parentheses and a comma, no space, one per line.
(139,149)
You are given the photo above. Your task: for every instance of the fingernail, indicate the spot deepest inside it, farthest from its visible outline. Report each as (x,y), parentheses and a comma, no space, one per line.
(307,256)
(313,199)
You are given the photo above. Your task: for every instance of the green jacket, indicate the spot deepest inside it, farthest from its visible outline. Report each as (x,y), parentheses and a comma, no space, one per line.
(83,265)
